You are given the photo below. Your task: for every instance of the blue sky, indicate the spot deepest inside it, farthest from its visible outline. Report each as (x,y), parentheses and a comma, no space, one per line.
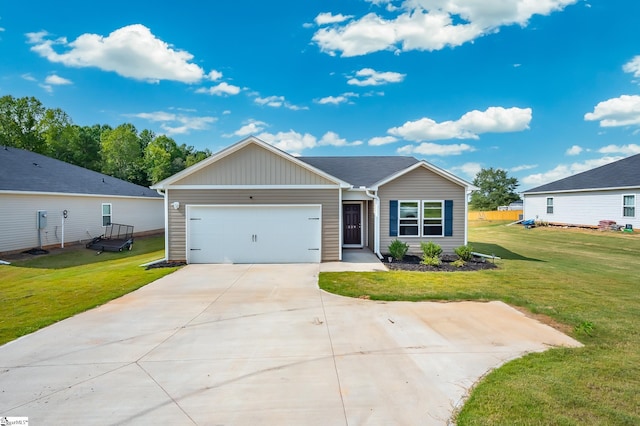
(540,88)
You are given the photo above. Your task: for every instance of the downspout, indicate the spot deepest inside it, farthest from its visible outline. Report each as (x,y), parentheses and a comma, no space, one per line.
(376,223)
(466,216)
(166,223)
(340,216)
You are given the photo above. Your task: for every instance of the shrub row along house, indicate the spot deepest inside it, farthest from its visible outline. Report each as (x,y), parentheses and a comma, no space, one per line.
(606,193)
(46,202)
(253,203)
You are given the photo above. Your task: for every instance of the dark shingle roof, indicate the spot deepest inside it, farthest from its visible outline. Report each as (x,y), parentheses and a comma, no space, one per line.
(22,170)
(619,174)
(360,171)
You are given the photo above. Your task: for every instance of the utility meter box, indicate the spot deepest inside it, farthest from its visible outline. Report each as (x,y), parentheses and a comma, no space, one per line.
(42,219)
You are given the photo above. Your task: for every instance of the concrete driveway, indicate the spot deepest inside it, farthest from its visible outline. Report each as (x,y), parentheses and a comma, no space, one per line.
(260,344)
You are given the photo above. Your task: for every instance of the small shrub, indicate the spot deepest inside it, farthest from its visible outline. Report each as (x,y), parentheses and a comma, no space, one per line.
(430,249)
(431,261)
(464,252)
(398,249)
(459,263)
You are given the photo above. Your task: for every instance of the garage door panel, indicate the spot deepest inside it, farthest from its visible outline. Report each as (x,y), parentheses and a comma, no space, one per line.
(254,234)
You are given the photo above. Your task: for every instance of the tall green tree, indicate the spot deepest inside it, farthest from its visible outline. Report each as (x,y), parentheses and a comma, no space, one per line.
(496,189)
(159,158)
(192,156)
(123,154)
(87,151)
(20,123)
(59,134)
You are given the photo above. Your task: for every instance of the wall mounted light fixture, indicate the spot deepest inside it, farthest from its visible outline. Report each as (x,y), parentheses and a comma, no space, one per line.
(175,205)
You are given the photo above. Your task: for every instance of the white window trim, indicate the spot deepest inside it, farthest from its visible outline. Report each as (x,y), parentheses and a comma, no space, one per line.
(421,218)
(549,205)
(441,218)
(110,215)
(633,206)
(418,218)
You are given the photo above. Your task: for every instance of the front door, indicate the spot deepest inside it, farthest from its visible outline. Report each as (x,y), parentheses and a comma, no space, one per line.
(352,224)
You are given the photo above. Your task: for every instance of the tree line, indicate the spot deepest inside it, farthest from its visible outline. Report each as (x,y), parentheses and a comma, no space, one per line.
(141,157)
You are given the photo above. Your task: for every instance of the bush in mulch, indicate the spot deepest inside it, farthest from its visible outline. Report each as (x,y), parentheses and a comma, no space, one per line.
(165,265)
(414,263)
(36,251)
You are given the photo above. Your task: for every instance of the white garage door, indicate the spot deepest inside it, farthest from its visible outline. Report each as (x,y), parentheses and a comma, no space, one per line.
(254,234)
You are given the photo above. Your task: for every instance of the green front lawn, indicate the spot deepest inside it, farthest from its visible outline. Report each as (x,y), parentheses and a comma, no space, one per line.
(588,281)
(39,291)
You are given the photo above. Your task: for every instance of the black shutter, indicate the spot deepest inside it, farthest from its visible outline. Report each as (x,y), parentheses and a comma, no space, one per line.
(393,218)
(448,218)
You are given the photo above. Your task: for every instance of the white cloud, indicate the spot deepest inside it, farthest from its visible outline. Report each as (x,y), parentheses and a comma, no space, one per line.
(574,150)
(56,80)
(176,124)
(333,139)
(294,142)
(428,24)
(131,51)
(387,3)
(291,141)
(382,140)
(615,112)
(428,148)
(468,169)
(272,101)
(214,75)
(251,128)
(28,77)
(497,120)
(523,167)
(277,102)
(328,18)
(371,77)
(336,100)
(633,66)
(222,89)
(366,35)
(469,126)
(630,149)
(564,170)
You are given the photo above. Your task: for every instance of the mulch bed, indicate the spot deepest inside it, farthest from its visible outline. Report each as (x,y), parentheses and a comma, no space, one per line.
(413,263)
(165,265)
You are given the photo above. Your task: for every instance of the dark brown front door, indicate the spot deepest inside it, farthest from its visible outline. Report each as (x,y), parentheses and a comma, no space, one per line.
(351,221)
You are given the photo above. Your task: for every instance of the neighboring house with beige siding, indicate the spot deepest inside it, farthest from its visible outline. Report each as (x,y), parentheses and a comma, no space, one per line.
(49,203)
(253,203)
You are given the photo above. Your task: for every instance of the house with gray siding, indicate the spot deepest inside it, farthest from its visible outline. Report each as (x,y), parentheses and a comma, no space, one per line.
(253,203)
(608,192)
(49,203)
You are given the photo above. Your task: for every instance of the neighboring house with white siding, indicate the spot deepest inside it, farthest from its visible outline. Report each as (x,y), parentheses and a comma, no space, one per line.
(253,203)
(609,192)
(49,203)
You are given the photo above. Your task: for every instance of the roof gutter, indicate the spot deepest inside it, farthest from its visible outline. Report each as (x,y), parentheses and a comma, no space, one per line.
(376,222)
(567,191)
